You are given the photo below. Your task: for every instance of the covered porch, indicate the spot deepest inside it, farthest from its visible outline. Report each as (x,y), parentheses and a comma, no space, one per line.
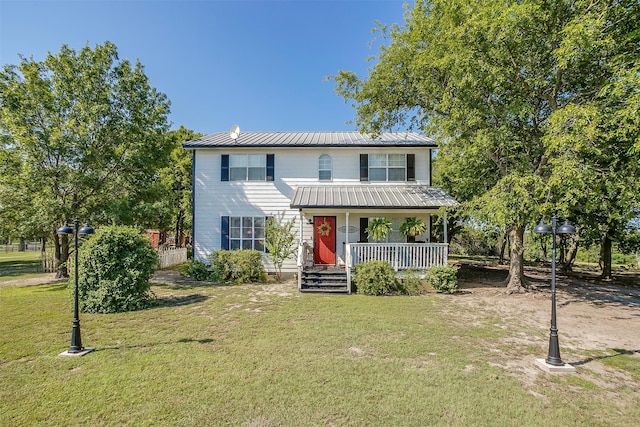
(332,232)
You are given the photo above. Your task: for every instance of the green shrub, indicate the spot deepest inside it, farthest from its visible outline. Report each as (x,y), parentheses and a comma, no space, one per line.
(409,284)
(196,270)
(444,279)
(114,268)
(375,278)
(240,266)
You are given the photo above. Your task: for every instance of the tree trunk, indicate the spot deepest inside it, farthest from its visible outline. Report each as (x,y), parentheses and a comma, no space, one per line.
(179,226)
(571,253)
(503,247)
(23,245)
(61,246)
(516,282)
(606,257)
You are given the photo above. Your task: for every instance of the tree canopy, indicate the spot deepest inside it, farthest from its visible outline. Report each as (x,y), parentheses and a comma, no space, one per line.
(81,132)
(497,83)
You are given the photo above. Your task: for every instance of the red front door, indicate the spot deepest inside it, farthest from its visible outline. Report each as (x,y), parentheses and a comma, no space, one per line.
(324,236)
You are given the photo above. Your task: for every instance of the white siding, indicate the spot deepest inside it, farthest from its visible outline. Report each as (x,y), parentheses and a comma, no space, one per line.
(293,167)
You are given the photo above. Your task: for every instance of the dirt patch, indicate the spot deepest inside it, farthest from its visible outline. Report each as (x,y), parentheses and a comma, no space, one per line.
(594,317)
(592,313)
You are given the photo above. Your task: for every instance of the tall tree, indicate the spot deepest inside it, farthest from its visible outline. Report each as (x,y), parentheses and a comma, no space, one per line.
(86,128)
(485,78)
(177,179)
(591,139)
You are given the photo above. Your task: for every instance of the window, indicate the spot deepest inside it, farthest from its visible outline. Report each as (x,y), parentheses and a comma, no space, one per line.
(244,232)
(394,235)
(247,167)
(324,168)
(387,167)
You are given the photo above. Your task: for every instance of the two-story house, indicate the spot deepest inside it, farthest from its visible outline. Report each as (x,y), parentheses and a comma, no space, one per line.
(333,183)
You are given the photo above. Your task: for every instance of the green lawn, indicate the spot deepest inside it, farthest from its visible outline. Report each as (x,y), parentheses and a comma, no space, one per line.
(16,265)
(269,356)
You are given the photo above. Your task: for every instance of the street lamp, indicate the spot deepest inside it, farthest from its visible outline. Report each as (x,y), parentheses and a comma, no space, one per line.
(553,363)
(76,348)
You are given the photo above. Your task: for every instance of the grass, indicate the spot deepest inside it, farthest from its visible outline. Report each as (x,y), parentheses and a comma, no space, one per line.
(19,265)
(269,356)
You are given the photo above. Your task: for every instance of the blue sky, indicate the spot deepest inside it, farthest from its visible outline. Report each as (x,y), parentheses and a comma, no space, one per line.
(258,64)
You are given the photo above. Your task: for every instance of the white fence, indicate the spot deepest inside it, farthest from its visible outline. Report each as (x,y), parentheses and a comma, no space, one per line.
(171,257)
(401,256)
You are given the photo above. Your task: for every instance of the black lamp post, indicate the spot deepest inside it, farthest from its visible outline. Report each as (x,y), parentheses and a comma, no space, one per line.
(76,341)
(554,348)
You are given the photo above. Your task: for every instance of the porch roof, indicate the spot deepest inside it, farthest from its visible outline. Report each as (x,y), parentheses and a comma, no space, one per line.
(371,197)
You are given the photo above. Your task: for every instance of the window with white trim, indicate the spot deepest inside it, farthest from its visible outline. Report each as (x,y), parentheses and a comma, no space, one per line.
(246,232)
(325,168)
(247,167)
(387,167)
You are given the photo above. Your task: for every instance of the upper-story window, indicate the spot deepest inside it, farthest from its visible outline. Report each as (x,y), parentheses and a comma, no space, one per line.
(387,167)
(247,167)
(324,168)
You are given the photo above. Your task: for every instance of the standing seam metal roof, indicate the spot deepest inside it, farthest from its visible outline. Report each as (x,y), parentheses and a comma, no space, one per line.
(310,139)
(371,196)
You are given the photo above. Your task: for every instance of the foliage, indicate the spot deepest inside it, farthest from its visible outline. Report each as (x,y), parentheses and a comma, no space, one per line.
(239,266)
(196,270)
(498,83)
(378,228)
(279,240)
(474,241)
(83,134)
(631,242)
(175,179)
(114,268)
(375,278)
(413,226)
(444,279)
(409,284)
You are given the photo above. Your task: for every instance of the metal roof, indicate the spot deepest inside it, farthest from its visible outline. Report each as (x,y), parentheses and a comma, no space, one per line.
(365,196)
(310,139)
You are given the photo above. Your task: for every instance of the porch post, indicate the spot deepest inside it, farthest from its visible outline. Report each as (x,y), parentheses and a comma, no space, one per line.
(346,239)
(347,255)
(301,253)
(445,227)
(301,226)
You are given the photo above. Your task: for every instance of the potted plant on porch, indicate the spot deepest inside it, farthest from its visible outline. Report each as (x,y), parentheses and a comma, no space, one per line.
(412,227)
(379,228)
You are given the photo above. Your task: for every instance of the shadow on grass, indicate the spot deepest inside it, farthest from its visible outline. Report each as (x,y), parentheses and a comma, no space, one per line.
(180,341)
(178,300)
(575,287)
(187,284)
(618,352)
(52,287)
(13,268)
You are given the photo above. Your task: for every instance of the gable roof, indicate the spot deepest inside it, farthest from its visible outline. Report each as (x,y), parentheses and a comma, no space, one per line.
(409,196)
(310,139)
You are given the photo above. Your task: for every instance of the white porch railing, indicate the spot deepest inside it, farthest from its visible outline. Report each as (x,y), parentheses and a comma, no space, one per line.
(401,256)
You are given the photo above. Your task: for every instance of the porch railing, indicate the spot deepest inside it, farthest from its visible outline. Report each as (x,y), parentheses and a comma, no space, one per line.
(401,256)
